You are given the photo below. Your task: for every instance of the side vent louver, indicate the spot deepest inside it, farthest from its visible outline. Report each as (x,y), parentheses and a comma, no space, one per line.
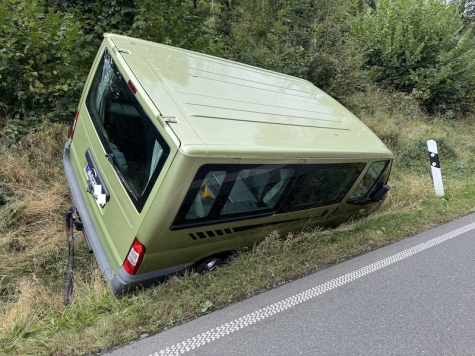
(209,233)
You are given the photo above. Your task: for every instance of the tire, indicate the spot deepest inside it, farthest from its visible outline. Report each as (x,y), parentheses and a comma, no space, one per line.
(208,265)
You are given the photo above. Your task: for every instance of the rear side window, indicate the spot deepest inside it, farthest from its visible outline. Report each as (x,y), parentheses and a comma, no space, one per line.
(221,193)
(133,145)
(322,185)
(224,192)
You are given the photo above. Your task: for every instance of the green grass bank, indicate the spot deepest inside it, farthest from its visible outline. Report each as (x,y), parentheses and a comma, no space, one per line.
(33,252)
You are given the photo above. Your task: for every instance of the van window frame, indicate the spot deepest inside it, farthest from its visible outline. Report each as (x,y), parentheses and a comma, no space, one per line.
(232,171)
(381,179)
(283,205)
(137,200)
(311,171)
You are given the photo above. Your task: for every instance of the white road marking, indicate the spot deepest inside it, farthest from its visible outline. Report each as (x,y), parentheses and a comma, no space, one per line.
(263,313)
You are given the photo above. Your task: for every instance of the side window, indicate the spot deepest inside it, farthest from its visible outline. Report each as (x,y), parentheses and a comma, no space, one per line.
(206,195)
(257,190)
(321,185)
(220,192)
(376,175)
(231,192)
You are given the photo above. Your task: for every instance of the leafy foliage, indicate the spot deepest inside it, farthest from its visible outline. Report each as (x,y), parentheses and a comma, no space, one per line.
(180,23)
(42,60)
(418,46)
(98,17)
(304,38)
(421,47)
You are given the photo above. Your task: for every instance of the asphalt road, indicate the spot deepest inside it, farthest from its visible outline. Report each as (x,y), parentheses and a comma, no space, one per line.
(414,297)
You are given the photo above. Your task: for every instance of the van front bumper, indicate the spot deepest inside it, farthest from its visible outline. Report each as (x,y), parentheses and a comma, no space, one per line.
(119,281)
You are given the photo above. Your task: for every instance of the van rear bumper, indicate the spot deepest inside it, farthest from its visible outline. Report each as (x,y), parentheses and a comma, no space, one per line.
(120,281)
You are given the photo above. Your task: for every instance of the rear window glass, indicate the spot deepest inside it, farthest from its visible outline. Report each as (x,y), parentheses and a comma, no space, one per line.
(134,146)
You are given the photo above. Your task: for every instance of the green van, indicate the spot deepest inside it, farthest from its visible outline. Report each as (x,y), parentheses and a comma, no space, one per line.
(177,159)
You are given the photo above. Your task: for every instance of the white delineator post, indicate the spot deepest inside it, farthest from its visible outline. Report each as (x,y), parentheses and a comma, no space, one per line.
(435,167)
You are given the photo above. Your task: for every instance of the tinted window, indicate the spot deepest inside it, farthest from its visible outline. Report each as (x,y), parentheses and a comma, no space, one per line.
(206,195)
(233,192)
(221,192)
(321,185)
(134,146)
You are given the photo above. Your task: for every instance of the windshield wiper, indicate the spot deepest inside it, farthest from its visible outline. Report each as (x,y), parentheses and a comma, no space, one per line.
(110,158)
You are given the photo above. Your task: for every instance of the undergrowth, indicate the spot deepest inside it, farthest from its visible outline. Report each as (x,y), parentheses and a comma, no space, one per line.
(33,253)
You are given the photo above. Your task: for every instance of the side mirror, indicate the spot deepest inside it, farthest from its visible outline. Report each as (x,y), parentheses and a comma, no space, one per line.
(380,193)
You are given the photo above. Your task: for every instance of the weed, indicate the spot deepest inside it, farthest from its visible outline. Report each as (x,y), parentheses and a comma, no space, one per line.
(5,196)
(205,306)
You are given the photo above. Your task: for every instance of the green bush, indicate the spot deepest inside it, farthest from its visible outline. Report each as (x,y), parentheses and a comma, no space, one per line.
(303,38)
(180,23)
(98,17)
(42,61)
(420,47)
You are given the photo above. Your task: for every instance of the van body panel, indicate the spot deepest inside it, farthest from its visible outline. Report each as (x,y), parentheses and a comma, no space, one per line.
(150,82)
(118,221)
(263,105)
(79,163)
(174,247)
(174,190)
(90,229)
(178,247)
(271,139)
(203,156)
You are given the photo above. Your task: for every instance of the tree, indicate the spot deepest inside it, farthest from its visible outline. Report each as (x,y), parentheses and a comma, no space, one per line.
(467,9)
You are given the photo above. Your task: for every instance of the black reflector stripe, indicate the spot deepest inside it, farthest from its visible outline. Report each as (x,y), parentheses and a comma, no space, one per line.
(202,235)
(249,227)
(434,159)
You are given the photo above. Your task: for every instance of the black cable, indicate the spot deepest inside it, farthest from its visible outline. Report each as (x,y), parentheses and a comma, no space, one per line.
(68,287)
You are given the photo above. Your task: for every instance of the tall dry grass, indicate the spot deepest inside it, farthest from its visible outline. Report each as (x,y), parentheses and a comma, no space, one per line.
(33,195)
(34,189)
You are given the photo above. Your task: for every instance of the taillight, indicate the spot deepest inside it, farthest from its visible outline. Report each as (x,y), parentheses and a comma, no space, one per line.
(74,125)
(134,257)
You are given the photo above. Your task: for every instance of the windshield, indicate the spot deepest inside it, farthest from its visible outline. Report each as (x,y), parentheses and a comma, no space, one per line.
(134,146)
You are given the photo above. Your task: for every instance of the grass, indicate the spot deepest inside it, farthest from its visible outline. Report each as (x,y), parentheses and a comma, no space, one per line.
(33,253)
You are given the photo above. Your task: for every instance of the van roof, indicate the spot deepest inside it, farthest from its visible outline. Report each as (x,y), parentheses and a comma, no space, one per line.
(218,107)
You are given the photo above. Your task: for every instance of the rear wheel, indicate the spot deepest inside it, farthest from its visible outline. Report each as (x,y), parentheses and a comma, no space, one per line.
(209,264)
